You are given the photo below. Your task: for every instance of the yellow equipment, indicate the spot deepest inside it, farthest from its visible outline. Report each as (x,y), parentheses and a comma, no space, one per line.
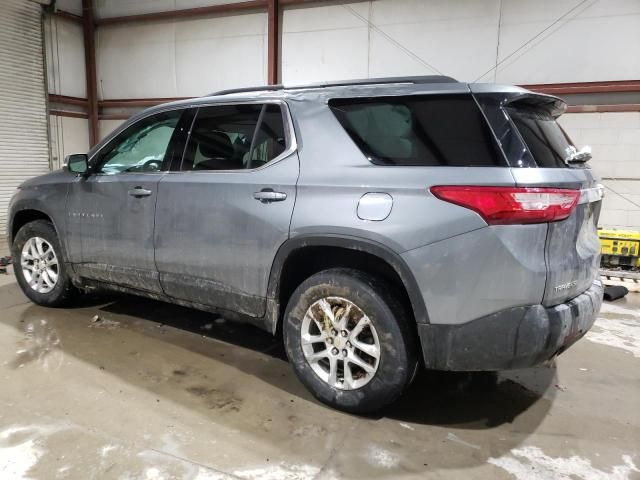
(620,248)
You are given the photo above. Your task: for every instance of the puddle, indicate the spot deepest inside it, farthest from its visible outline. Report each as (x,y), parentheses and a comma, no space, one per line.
(41,345)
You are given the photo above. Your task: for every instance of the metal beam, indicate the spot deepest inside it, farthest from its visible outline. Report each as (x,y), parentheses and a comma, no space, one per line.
(293,3)
(88,31)
(626,107)
(67,100)
(246,5)
(188,12)
(68,16)
(67,113)
(585,87)
(273,41)
(137,102)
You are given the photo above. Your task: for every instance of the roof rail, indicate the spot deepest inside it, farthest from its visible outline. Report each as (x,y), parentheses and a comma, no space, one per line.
(265,88)
(342,83)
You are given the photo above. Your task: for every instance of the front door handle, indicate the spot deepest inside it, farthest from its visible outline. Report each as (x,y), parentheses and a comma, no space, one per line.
(267,195)
(139,192)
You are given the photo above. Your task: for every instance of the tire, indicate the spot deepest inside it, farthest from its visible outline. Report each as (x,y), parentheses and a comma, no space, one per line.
(52,293)
(352,389)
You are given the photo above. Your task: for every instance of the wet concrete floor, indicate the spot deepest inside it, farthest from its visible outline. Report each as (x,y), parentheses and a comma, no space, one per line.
(153,391)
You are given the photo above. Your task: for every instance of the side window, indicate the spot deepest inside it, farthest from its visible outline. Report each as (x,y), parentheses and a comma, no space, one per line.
(141,147)
(447,130)
(234,137)
(547,141)
(270,140)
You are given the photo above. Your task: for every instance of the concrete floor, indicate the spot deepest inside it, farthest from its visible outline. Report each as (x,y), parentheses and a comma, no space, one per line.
(153,391)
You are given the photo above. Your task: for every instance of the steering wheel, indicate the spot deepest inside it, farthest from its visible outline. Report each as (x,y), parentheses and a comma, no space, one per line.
(152,165)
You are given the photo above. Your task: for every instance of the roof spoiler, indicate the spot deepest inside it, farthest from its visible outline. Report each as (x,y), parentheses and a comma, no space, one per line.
(554,105)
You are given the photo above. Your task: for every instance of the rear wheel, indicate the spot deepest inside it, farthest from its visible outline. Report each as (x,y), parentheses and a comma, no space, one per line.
(39,267)
(349,340)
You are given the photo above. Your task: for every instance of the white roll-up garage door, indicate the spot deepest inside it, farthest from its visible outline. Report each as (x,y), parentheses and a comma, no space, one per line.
(24,145)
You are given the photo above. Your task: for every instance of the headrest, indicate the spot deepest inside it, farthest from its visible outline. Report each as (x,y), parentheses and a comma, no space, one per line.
(215,144)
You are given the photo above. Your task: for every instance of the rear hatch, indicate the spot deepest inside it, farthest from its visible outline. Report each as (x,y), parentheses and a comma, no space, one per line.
(538,151)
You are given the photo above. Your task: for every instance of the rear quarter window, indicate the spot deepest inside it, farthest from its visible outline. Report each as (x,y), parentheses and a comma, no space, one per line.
(442,130)
(546,140)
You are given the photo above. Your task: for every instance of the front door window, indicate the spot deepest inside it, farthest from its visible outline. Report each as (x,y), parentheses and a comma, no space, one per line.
(141,147)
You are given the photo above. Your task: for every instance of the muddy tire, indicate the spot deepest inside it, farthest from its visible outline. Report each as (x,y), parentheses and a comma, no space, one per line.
(349,340)
(39,266)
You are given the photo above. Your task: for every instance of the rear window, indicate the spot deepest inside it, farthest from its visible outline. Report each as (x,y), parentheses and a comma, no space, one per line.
(547,141)
(443,130)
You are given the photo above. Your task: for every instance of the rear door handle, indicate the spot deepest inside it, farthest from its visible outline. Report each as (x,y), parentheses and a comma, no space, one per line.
(139,192)
(267,195)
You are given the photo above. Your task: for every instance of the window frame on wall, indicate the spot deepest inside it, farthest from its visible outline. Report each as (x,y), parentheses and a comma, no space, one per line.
(290,139)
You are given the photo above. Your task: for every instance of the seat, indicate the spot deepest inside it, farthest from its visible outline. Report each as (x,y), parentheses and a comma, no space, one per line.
(218,151)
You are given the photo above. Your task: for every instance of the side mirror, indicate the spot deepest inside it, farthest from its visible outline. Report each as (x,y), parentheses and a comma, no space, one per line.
(77,163)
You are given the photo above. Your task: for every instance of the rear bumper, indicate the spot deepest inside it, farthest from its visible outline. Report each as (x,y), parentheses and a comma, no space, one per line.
(513,338)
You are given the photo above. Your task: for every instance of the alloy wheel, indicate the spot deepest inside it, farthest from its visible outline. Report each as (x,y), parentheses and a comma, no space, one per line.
(340,343)
(40,266)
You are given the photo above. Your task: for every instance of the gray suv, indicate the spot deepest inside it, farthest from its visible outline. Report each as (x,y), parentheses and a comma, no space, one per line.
(375,224)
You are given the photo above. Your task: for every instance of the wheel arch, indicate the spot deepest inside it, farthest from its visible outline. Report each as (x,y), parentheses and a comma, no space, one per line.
(26,215)
(338,251)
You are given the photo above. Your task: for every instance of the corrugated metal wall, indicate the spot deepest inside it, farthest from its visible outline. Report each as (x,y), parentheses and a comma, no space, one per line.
(24,150)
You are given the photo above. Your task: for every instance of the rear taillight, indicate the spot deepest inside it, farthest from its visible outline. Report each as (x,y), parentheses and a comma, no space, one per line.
(512,205)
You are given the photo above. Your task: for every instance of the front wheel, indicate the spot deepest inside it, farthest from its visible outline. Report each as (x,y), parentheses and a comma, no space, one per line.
(349,341)
(39,267)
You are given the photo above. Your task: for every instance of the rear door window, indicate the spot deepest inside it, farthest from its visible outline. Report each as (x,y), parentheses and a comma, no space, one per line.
(270,140)
(235,137)
(442,130)
(545,138)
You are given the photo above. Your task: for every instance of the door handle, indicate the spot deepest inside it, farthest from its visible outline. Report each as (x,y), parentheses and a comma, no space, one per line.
(267,195)
(139,192)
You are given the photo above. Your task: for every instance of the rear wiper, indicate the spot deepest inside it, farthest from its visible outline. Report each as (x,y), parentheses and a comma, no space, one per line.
(579,156)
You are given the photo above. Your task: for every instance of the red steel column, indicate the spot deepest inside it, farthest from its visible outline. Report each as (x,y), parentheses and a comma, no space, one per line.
(88,30)
(273,41)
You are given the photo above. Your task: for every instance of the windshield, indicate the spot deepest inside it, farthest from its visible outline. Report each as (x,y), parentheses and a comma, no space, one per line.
(545,138)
